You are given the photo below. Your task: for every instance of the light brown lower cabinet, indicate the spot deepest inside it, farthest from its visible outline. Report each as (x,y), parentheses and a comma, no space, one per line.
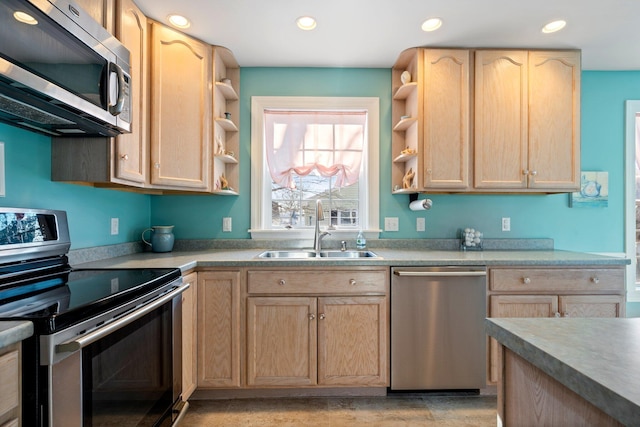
(298,337)
(219,329)
(553,292)
(306,341)
(10,385)
(189,336)
(527,396)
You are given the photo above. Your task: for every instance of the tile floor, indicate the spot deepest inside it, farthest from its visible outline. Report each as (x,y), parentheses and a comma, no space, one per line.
(394,410)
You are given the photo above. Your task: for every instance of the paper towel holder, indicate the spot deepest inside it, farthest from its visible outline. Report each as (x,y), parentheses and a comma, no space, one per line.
(425,205)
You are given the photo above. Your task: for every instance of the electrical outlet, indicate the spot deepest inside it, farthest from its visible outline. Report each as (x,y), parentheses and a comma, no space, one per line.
(115,226)
(391,224)
(506,224)
(420,224)
(226,224)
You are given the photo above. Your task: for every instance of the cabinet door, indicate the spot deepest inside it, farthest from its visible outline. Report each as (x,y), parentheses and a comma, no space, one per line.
(446,118)
(554,120)
(501,113)
(352,341)
(10,384)
(132,149)
(100,10)
(592,305)
(180,110)
(219,329)
(281,341)
(517,306)
(189,336)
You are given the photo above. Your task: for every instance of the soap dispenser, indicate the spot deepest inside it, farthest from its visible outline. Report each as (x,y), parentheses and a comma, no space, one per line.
(361,242)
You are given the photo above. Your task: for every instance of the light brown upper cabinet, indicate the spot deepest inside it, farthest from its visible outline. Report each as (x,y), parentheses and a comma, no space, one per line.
(509,119)
(123,160)
(226,121)
(132,149)
(180,110)
(101,11)
(527,121)
(447,138)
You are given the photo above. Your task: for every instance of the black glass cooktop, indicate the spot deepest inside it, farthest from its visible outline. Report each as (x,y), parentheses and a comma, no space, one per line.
(56,300)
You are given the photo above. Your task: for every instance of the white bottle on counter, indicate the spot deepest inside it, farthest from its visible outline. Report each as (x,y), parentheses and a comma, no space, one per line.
(361,242)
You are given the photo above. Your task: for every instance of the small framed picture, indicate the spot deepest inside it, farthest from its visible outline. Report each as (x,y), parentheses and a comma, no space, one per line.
(594,191)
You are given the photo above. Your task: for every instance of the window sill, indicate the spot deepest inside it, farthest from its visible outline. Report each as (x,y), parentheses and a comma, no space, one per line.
(307,234)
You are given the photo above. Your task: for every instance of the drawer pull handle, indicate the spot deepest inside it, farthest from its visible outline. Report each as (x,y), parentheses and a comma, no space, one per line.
(526,280)
(312,316)
(595,280)
(322,316)
(352,282)
(282,282)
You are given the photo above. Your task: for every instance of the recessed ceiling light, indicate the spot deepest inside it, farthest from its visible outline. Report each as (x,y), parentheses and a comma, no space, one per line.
(554,26)
(431,24)
(306,23)
(24,18)
(178,21)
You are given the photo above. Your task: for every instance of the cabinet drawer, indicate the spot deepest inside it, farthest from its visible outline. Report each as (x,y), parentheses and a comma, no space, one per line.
(557,280)
(334,282)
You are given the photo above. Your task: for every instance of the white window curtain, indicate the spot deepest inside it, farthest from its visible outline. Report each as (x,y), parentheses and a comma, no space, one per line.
(300,142)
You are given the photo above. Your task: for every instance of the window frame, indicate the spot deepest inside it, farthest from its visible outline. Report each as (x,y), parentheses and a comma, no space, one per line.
(261,187)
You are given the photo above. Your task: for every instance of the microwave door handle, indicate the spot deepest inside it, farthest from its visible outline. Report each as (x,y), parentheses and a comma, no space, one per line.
(116,108)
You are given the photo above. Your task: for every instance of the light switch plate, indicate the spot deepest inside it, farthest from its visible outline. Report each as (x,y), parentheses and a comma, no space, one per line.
(391,224)
(420,224)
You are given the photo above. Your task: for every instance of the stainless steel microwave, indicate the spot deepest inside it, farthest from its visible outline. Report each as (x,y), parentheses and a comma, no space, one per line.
(61,72)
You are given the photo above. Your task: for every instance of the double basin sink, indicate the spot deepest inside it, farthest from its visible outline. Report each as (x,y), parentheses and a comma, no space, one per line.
(303,254)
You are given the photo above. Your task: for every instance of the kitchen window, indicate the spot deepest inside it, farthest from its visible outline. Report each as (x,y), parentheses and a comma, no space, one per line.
(309,148)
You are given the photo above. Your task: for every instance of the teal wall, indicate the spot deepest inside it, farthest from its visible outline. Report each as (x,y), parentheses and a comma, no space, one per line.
(89,210)
(28,184)
(585,229)
(596,229)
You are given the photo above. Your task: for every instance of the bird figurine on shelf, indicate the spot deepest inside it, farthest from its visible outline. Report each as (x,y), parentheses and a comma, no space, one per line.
(224,184)
(407,180)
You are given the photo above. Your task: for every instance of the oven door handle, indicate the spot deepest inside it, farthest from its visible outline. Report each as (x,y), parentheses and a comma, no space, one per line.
(85,340)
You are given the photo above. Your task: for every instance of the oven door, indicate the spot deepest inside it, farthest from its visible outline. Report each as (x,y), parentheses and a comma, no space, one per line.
(128,375)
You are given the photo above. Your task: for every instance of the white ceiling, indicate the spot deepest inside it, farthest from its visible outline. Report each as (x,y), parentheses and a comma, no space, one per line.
(372,33)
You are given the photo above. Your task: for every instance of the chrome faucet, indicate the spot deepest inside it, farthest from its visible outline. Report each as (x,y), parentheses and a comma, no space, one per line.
(317,237)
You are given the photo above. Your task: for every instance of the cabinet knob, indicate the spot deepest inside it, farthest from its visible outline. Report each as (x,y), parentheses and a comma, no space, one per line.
(595,280)
(352,282)
(557,314)
(525,172)
(156,165)
(429,172)
(526,280)
(322,316)
(312,316)
(282,282)
(533,173)
(124,157)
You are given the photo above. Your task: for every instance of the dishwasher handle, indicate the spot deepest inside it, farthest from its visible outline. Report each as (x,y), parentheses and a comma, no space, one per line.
(462,273)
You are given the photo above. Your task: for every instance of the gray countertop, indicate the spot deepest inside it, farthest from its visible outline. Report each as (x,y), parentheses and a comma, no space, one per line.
(187,260)
(13,332)
(596,358)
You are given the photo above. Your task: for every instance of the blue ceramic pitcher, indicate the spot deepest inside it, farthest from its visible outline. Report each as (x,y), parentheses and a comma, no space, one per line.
(161,238)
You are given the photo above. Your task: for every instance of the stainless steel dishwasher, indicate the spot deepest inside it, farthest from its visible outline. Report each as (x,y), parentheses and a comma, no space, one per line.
(438,340)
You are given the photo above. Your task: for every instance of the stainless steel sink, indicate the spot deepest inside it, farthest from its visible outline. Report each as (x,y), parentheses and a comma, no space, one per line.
(294,254)
(347,254)
(302,254)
